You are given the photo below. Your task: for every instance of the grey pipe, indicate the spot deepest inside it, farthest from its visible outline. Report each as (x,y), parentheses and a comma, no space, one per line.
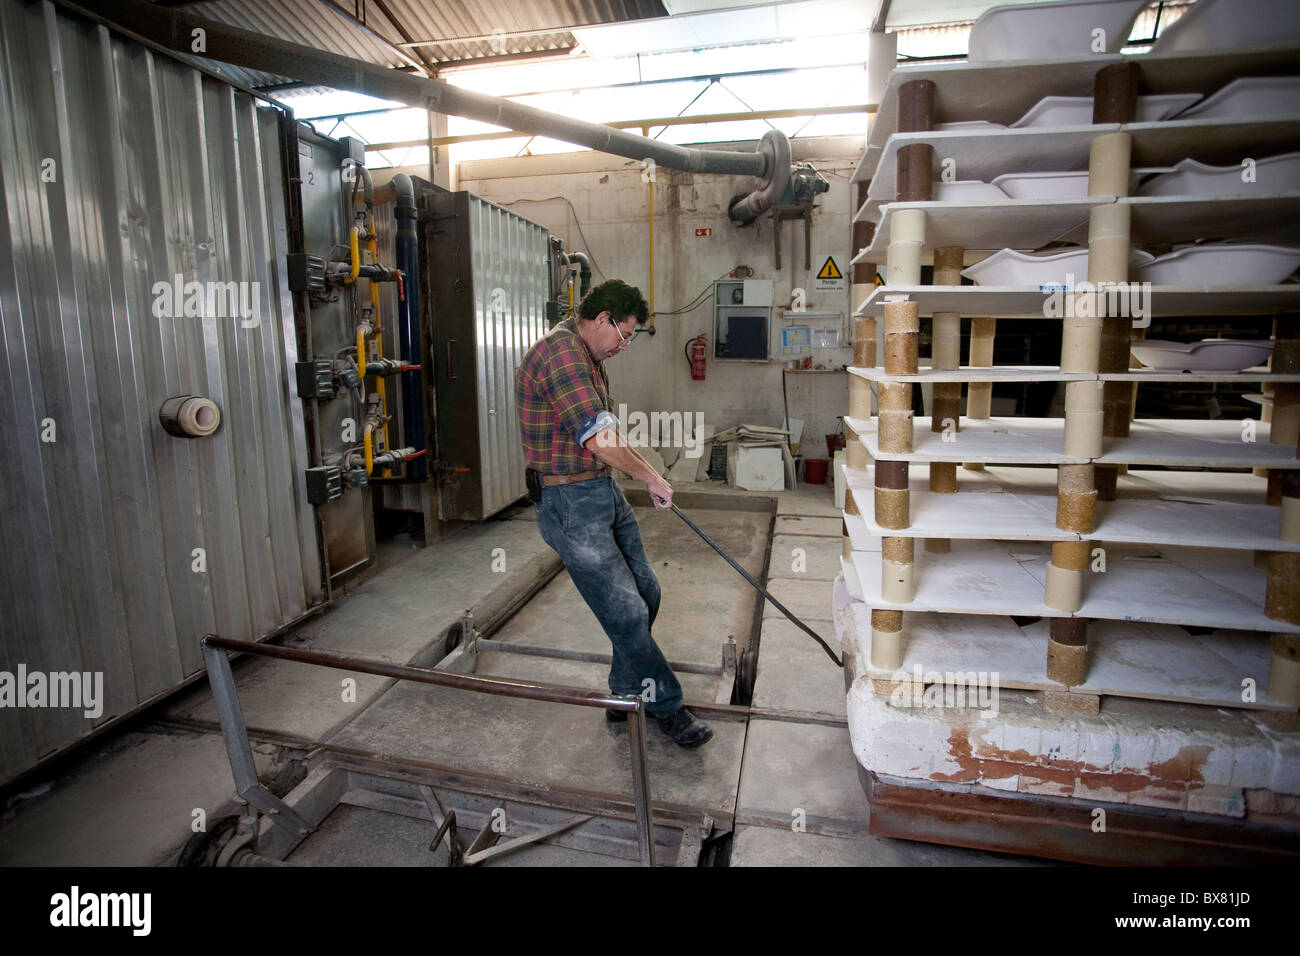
(408,324)
(776,148)
(584,272)
(173,29)
(367,182)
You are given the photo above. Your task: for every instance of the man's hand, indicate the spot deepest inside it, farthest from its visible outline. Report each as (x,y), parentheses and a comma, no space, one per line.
(661,493)
(613,450)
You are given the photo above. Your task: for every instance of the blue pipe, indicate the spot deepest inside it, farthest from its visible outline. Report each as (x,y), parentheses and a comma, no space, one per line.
(408,326)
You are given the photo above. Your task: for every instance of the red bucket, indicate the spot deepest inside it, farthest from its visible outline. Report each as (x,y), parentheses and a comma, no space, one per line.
(814,470)
(834,443)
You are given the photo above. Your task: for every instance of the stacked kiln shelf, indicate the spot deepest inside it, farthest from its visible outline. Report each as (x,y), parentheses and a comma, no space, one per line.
(1203,522)
(1012,302)
(1174,443)
(956,560)
(1028,224)
(1143,661)
(1140,583)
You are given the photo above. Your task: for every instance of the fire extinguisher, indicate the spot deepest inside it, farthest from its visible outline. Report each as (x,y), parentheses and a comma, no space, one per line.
(695,350)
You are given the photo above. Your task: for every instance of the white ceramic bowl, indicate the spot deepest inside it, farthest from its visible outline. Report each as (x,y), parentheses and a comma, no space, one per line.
(1077,110)
(1063,185)
(1273,174)
(1072,185)
(1007,267)
(1250,96)
(970,126)
(1046,30)
(967,190)
(1222,24)
(1208,355)
(1222,264)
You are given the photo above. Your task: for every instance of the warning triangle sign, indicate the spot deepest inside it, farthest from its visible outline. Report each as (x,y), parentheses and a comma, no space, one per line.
(830,270)
(880,280)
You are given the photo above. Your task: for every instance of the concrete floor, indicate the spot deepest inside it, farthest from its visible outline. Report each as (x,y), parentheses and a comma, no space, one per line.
(785,775)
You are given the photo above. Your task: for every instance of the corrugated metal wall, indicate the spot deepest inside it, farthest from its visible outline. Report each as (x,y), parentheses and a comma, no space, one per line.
(122,168)
(510,254)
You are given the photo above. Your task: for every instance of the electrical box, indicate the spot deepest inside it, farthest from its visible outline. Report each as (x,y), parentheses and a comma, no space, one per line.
(742,319)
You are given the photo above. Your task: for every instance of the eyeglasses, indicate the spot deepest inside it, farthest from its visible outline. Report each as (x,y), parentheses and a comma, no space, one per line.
(625,341)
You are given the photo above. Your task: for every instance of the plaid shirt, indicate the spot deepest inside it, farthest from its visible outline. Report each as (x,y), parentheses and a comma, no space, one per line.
(562,394)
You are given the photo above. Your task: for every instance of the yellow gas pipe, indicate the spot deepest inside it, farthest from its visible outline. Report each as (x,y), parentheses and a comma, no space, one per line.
(356,254)
(354,248)
(651,185)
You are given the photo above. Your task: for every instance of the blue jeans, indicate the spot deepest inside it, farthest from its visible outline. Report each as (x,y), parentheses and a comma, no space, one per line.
(592,528)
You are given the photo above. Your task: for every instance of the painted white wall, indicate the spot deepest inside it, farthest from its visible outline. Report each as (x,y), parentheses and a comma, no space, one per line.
(608,197)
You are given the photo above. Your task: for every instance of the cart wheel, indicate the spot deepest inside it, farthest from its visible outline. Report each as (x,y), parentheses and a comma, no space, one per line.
(203,849)
(745,677)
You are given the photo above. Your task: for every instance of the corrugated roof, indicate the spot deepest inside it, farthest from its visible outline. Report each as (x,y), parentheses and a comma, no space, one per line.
(479,29)
(481,18)
(454,31)
(315,23)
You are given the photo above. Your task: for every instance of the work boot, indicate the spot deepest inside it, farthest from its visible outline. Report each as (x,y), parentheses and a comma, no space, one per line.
(685,729)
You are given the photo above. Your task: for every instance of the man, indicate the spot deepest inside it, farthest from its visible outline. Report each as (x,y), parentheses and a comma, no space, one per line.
(572,440)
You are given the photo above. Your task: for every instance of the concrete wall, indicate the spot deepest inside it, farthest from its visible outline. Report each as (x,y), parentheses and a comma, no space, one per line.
(600,203)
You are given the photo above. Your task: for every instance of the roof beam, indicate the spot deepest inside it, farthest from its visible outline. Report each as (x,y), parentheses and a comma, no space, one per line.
(429,67)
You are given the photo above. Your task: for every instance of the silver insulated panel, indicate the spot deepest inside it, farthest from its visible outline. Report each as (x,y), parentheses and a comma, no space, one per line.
(121,546)
(489,271)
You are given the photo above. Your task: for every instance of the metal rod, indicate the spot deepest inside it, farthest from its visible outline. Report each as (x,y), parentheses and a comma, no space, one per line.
(510,846)
(694,78)
(641,785)
(762,590)
(426,675)
(592,657)
(233,728)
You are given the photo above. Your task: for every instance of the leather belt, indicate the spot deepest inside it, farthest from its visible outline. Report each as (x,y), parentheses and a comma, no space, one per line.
(552,480)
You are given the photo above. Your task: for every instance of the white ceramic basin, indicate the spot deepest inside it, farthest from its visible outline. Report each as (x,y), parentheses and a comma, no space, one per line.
(1208,355)
(1072,185)
(1223,24)
(970,126)
(1077,110)
(1007,267)
(967,190)
(1222,264)
(1273,174)
(1275,96)
(1046,30)
(1062,185)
